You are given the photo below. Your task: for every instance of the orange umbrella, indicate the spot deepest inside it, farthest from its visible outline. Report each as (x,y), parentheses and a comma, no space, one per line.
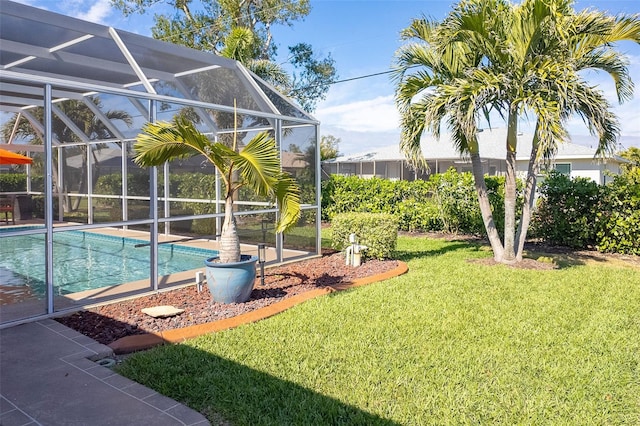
(8,157)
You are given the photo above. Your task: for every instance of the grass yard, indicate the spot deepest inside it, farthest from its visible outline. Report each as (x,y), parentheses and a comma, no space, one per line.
(451,342)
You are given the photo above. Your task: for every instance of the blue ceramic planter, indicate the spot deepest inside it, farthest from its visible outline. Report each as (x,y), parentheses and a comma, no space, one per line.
(231,282)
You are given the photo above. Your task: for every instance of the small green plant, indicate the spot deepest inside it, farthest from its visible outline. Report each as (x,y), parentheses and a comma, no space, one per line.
(545,259)
(377,231)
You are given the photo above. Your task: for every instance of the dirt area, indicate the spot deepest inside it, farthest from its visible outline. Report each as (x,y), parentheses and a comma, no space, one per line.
(108,323)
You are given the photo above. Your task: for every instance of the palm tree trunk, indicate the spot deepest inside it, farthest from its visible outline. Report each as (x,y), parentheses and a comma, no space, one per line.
(65,188)
(485,207)
(529,195)
(510,191)
(229,240)
(82,186)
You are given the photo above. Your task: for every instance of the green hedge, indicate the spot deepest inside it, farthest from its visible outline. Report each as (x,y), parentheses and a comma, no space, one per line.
(111,184)
(17,182)
(377,231)
(566,211)
(13,182)
(446,202)
(582,214)
(619,215)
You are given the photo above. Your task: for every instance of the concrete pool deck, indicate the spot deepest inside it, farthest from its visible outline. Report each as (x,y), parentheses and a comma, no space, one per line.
(47,377)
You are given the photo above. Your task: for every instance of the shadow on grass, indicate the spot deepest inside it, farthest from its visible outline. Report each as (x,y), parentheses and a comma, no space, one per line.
(561,257)
(564,257)
(406,256)
(562,261)
(225,390)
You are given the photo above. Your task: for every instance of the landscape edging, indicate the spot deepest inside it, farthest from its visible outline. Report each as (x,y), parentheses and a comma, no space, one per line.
(139,342)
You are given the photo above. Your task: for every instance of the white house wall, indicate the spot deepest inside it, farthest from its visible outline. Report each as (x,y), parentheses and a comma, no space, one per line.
(611,168)
(396,170)
(585,168)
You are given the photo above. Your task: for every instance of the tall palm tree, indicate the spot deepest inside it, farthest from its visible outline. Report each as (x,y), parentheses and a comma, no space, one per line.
(255,165)
(243,46)
(491,56)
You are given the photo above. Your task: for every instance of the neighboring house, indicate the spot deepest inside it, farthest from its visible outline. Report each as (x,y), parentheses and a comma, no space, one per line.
(388,162)
(294,163)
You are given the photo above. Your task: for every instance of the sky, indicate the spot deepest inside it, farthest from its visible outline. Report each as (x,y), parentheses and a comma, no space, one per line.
(362,37)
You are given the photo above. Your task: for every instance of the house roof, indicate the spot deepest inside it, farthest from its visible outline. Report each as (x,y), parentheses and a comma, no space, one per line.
(293,160)
(492,146)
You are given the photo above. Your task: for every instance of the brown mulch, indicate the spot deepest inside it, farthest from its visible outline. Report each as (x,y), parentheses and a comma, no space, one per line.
(109,323)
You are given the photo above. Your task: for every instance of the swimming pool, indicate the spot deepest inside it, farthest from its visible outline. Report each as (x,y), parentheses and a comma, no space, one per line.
(86,260)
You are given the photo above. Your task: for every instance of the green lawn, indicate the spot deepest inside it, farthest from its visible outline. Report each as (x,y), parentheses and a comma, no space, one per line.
(451,342)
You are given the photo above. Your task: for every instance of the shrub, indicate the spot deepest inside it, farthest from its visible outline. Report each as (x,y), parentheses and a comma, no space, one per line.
(13,182)
(619,215)
(111,184)
(495,190)
(354,194)
(567,211)
(446,202)
(415,215)
(377,231)
(455,197)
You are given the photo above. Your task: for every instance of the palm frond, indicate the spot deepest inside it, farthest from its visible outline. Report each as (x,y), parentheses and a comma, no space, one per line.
(595,110)
(239,44)
(160,142)
(259,164)
(421,29)
(412,124)
(616,66)
(271,73)
(287,195)
(163,141)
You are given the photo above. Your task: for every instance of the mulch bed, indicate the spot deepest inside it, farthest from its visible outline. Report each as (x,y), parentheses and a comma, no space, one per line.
(109,323)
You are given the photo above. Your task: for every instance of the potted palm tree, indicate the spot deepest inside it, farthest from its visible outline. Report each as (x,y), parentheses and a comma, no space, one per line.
(256,165)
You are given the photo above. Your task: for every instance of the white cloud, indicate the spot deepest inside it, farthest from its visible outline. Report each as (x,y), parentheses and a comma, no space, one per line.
(88,10)
(98,11)
(370,115)
(634,61)
(352,142)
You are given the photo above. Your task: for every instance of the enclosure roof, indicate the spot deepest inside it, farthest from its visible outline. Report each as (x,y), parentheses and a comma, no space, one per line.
(39,46)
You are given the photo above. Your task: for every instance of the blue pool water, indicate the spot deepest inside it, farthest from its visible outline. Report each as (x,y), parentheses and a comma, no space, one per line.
(85,260)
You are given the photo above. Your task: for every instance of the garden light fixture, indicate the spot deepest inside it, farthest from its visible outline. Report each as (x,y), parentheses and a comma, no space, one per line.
(262,258)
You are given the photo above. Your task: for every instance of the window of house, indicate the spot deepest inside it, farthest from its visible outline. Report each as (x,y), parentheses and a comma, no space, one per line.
(563,168)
